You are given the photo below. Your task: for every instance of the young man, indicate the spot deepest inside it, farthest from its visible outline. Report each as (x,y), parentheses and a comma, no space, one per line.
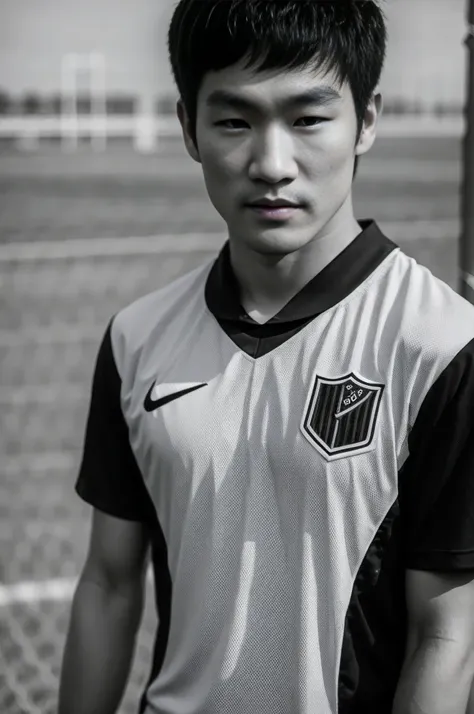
(290,427)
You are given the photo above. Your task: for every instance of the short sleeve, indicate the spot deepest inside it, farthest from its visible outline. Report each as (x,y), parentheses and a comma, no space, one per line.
(436,483)
(109,478)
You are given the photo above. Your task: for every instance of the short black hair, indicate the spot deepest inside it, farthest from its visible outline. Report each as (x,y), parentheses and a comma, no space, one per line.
(348,37)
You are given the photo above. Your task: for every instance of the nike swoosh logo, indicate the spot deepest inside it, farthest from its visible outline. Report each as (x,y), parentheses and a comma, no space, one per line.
(151,404)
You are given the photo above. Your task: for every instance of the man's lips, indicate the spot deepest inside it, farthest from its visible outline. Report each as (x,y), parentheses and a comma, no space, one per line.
(274,212)
(276,207)
(273,204)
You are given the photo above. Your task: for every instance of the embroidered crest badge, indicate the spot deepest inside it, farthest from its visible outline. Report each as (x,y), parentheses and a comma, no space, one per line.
(341,415)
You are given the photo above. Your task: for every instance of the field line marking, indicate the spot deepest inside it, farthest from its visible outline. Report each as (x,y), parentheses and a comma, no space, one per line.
(184,242)
(14,465)
(29,394)
(409,231)
(73,334)
(110,247)
(33,591)
(57,589)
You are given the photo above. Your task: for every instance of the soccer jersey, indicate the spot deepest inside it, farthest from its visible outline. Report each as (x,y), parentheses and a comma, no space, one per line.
(289,473)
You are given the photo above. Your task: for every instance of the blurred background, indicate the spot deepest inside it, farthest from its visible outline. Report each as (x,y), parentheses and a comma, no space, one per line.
(99,204)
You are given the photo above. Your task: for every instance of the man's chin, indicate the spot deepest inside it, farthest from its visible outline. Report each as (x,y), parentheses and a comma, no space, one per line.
(277,242)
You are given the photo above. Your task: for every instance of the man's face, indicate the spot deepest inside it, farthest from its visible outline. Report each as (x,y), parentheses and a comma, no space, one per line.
(274,146)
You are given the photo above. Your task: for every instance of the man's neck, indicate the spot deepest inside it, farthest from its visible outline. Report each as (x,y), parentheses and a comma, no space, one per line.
(267,284)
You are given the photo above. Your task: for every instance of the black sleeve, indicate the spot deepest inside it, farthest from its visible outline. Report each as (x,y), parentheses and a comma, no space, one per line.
(436,483)
(109,478)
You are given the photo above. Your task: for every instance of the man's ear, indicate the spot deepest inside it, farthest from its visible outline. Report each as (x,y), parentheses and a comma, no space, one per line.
(369,126)
(186,129)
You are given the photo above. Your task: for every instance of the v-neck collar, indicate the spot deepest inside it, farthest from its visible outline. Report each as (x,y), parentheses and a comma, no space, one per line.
(334,283)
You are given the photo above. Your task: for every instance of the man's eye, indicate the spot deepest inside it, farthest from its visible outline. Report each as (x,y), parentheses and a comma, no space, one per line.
(312,120)
(227,123)
(241,124)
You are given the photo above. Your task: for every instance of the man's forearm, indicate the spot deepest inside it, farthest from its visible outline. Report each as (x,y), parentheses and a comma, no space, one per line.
(99,649)
(435,679)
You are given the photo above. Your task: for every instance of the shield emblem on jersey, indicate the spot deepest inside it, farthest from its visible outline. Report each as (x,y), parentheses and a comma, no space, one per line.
(341,415)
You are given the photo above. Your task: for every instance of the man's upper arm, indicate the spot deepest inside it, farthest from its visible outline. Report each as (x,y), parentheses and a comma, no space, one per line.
(118,551)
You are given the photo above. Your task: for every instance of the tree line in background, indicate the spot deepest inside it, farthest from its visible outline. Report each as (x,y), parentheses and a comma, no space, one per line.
(33,103)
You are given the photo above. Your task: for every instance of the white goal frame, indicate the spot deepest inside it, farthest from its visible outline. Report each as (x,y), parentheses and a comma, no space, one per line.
(72,65)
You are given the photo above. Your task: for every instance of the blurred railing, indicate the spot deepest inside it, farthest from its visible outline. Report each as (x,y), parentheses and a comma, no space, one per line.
(142,129)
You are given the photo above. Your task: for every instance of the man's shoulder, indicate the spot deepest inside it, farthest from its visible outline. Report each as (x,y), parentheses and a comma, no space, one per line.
(434,322)
(429,304)
(134,322)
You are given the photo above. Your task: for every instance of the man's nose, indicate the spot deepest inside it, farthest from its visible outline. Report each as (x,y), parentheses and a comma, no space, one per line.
(273,157)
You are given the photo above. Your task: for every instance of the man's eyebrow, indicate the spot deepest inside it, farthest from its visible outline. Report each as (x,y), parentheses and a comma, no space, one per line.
(321,96)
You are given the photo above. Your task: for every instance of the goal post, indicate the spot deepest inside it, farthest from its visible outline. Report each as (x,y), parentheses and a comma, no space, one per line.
(69,129)
(74,67)
(98,101)
(145,126)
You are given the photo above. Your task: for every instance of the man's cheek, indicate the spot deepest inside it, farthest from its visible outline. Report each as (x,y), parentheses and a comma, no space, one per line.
(219,170)
(338,144)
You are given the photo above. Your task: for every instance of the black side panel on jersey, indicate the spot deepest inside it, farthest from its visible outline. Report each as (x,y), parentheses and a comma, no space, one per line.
(436,483)
(375,630)
(163,595)
(109,478)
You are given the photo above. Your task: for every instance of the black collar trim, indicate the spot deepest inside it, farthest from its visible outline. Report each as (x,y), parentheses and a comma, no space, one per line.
(338,279)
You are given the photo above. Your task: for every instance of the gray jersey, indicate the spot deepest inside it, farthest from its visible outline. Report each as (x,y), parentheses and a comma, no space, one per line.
(289,474)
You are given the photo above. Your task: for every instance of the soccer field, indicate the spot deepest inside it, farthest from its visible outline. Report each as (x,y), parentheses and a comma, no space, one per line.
(81,236)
